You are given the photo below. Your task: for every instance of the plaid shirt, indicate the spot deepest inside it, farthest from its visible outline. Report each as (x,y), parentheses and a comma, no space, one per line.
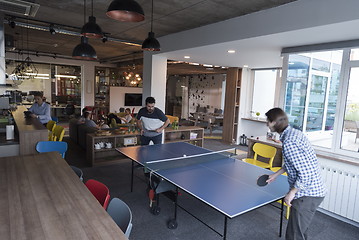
(301,164)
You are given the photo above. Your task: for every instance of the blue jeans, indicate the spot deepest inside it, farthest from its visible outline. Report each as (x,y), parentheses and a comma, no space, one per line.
(146,140)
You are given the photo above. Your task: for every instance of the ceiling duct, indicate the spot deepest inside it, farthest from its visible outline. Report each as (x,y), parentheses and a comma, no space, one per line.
(19,7)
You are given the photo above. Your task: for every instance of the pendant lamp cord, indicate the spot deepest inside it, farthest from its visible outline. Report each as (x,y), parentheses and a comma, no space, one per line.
(92,7)
(152,16)
(27,37)
(84,11)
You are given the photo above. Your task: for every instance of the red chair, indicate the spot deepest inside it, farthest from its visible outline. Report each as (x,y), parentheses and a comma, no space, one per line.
(100,191)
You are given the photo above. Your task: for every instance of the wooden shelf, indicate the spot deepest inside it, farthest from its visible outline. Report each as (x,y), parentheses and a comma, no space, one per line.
(184,140)
(104,150)
(110,155)
(232,104)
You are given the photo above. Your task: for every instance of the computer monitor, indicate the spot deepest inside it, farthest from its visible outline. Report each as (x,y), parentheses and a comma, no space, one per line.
(61,99)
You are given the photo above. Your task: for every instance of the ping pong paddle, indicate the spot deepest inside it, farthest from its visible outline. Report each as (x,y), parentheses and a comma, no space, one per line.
(262,180)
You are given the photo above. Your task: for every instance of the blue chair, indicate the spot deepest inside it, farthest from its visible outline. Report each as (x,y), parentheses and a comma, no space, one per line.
(121,214)
(78,172)
(56,119)
(51,146)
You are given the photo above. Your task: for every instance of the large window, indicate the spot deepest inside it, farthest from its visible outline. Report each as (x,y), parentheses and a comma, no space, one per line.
(322,98)
(264,88)
(60,84)
(311,94)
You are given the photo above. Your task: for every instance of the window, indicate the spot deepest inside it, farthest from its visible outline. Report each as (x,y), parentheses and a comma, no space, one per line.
(312,87)
(296,88)
(350,131)
(263,91)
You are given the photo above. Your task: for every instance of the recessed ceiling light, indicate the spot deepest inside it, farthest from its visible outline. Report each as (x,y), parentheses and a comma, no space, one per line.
(207,65)
(187,57)
(231,51)
(245,66)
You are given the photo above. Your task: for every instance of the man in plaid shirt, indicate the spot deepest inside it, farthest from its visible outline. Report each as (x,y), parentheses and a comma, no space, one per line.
(307,190)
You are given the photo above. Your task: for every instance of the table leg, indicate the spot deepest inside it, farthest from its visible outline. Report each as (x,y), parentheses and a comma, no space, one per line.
(225,228)
(281,218)
(133,165)
(172,224)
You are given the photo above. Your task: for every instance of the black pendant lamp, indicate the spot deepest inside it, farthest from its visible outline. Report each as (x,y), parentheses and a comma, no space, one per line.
(151,43)
(125,11)
(84,51)
(91,29)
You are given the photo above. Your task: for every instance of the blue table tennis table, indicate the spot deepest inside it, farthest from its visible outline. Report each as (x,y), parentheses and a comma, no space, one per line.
(226,184)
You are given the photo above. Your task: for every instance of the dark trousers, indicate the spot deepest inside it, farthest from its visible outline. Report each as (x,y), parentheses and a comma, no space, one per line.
(156,139)
(301,215)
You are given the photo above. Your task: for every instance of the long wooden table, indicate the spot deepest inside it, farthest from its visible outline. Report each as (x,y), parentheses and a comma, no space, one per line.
(42,198)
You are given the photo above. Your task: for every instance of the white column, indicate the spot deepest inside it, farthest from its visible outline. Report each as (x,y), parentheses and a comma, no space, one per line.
(154,78)
(87,85)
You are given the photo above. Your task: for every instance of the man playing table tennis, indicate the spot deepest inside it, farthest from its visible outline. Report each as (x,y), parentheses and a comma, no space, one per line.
(307,190)
(151,121)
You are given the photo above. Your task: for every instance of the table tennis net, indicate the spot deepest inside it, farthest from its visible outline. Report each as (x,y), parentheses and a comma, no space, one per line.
(188,160)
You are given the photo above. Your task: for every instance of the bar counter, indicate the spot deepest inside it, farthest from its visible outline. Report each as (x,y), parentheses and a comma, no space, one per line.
(29,130)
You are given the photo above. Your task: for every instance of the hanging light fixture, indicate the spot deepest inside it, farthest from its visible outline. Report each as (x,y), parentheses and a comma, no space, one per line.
(125,11)
(91,29)
(84,51)
(151,43)
(52,29)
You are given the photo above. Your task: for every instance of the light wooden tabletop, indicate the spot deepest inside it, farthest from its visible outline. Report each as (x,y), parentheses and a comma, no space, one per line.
(42,198)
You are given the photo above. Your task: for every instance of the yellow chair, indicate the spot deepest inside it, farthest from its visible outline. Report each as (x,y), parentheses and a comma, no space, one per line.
(172,118)
(262,150)
(113,123)
(51,126)
(274,169)
(59,133)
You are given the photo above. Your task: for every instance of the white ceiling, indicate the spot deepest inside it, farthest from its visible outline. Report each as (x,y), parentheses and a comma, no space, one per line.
(265,51)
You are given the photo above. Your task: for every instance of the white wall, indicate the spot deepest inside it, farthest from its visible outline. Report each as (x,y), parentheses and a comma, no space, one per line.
(117,98)
(205,90)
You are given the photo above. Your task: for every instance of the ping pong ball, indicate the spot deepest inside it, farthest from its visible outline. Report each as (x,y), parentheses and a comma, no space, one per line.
(184,155)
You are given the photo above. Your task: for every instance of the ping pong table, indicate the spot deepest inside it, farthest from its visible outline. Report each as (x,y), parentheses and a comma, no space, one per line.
(226,184)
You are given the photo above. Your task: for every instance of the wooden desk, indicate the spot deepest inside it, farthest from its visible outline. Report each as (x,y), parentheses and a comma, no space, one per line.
(30,131)
(42,198)
(263,139)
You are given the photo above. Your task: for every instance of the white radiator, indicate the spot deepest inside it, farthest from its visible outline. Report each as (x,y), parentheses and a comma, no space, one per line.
(343,192)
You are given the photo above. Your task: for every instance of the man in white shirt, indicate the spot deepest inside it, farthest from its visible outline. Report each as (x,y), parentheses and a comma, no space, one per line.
(40,109)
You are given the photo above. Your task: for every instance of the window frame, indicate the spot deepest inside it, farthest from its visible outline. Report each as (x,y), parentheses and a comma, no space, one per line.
(344,77)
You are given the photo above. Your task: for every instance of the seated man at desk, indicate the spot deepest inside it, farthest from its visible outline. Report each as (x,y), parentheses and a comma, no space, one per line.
(40,109)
